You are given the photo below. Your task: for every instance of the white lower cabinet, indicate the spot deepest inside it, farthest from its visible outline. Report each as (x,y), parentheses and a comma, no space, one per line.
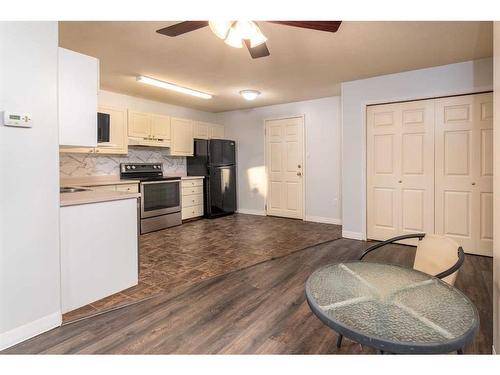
(192,198)
(99,251)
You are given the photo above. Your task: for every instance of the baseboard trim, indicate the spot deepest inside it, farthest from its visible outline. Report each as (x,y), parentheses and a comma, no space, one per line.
(325,220)
(251,212)
(353,235)
(29,330)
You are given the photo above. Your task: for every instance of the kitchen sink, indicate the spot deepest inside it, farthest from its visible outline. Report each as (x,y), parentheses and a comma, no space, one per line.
(72,189)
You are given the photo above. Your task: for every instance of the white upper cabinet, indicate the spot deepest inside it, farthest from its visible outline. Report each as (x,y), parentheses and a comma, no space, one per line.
(205,130)
(201,130)
(160,127)
(139,124)
(78,87)
(182,137)
(148,129)
(118,141)
(216,131)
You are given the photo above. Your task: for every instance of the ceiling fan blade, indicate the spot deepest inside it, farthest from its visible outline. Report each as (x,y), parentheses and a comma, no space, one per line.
(258,51)
(182,28)
(330,26)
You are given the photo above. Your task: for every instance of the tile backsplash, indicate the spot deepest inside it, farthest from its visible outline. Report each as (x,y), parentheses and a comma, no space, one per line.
(80,165)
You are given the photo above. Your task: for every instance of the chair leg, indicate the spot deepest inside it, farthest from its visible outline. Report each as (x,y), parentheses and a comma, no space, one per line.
(339,340)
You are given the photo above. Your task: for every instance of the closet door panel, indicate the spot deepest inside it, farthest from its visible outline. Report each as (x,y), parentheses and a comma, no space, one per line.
(454,162)
(417,168)
(484,175)
(464,163)
(383,164)
(400,169)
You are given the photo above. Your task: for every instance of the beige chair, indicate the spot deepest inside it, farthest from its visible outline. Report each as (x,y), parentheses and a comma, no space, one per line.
(436,255)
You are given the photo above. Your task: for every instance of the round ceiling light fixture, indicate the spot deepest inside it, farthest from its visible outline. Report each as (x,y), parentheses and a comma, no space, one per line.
(249,94)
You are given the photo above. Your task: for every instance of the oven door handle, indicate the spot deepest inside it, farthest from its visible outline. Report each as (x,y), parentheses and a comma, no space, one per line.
(159,182)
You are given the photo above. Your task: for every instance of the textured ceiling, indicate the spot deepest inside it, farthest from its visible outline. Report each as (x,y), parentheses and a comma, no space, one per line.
(304,64)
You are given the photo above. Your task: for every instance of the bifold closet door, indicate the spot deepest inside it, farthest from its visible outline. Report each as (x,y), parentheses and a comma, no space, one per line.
(400,169)
(464,171)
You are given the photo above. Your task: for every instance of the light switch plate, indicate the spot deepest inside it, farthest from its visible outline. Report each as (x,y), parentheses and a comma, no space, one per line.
(17,119)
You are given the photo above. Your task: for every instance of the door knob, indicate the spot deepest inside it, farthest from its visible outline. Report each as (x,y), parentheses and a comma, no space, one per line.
(299,166)
(299,174)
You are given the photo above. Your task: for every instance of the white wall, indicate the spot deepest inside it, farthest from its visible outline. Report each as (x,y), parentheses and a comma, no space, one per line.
(29,188)
(322,163)
(461,78)
(113,99)
(496,192)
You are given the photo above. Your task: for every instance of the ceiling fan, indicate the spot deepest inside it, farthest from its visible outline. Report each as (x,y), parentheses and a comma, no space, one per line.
(239,33)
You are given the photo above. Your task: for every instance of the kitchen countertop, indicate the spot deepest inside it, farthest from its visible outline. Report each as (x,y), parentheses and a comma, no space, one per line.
(95,181)
(94,196)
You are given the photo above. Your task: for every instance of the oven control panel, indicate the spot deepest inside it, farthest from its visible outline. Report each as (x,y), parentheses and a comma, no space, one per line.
(141,167)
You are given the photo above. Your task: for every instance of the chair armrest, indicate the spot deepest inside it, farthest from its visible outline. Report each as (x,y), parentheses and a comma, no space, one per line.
(391,240)
(455,267)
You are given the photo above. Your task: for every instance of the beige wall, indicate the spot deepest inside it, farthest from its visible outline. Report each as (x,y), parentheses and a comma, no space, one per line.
(462,78)
(322,155)
(496,186)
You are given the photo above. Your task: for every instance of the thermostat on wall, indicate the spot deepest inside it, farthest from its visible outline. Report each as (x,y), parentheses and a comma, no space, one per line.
(21,120)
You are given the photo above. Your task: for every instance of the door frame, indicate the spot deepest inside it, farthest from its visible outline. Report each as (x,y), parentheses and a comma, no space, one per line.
(364,105)
(304,166)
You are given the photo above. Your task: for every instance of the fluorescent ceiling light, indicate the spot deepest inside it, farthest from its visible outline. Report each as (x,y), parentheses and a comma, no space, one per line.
(171,86)
(249,94)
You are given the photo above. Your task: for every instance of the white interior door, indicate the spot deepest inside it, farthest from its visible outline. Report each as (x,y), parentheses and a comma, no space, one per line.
(285,167)
(464,171)
(400,169)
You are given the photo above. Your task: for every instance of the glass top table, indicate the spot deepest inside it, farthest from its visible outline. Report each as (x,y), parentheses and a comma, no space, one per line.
(392,308)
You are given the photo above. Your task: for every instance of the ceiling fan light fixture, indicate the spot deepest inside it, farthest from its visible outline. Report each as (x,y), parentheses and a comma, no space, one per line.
(249,94)
(257,37)
(220,28)
(233,38)
(173,87)
(234,32)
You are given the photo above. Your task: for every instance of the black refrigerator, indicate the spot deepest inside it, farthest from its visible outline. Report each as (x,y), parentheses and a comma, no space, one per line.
(216,160)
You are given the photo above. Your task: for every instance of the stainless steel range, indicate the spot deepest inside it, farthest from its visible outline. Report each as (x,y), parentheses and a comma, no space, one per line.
(160,195)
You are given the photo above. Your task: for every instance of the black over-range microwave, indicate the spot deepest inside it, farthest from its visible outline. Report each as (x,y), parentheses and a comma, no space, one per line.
(102,127)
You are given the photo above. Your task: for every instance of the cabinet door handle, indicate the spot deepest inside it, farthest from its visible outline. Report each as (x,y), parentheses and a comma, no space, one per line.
(473,183)
(400,182)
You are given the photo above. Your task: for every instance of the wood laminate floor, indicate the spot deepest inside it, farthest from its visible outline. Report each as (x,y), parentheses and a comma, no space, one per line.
(175,258)
(260,309)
